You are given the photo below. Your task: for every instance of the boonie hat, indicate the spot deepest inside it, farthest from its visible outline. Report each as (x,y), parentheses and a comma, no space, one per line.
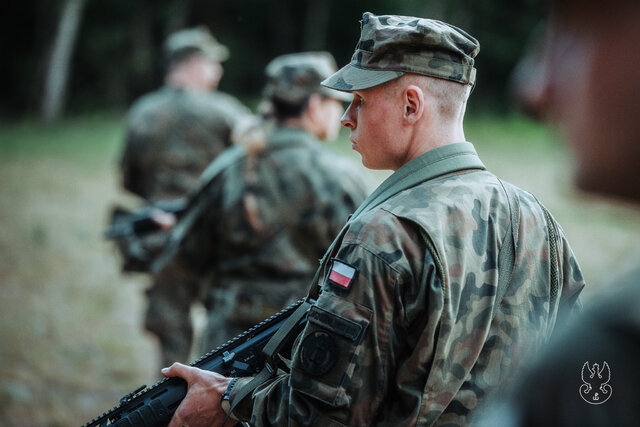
(392,45)
(293,77)
(194,40)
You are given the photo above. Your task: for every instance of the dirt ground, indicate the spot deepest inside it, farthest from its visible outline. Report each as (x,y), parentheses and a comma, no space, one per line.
(72,342)
(70,323)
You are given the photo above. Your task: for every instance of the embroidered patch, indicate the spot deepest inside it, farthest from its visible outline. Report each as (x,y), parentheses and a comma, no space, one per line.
(342,274)
(344,327)
(318,353)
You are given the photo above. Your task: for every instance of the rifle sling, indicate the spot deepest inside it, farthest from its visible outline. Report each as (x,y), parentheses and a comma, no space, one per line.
(273,345)
(197,203)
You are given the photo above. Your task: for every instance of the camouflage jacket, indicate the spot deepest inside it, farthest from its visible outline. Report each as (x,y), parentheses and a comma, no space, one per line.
(268,218)
(172,135)
(588,376)
(407,329)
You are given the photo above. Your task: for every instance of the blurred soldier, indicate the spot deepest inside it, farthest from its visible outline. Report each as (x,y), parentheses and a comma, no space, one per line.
(441,284)
(590,87)
(268,218)
(174,132)
(172,135)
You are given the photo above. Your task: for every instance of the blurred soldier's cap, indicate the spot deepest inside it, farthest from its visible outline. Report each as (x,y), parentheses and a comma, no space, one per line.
(184,43)
(391,46)
(292,78)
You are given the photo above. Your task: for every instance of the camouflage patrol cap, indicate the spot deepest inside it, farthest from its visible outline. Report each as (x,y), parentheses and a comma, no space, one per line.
(293,77)
(391,46)
(186,42)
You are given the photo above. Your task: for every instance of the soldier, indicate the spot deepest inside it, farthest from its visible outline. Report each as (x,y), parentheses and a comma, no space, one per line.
(441,283)
(590,87)
(172,135)
(174,132)
(268,218)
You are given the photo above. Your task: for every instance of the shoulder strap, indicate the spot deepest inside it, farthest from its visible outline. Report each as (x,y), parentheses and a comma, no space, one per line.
(506,258)
(553,256)
(197,203)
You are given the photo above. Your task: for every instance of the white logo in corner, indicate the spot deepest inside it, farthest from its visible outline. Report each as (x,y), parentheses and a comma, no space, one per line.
(595,388)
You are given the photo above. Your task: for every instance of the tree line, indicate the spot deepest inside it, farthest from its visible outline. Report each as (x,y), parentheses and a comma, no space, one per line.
(77,55)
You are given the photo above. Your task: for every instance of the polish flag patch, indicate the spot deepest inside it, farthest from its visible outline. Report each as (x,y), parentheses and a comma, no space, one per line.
(342,274)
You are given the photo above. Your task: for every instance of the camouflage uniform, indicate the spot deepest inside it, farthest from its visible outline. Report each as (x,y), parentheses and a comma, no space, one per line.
(267,219)
(560,390)
(408,328)
(172,135)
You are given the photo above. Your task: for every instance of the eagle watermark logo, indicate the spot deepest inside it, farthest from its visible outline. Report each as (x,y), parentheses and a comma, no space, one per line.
(595,388)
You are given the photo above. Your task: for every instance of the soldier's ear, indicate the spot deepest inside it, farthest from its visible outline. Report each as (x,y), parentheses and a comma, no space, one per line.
(413,103)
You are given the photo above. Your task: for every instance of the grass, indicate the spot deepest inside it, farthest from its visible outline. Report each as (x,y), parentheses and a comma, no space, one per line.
(82,139)
(70,323)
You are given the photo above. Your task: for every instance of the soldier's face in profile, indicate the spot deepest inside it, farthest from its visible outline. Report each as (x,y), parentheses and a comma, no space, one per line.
(373,118)
(592,89)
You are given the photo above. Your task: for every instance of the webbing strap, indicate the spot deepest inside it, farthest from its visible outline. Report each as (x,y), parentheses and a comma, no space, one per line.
(554,268)
(249,387)
(197,203)
(281,334)
(272,346)
(506,258)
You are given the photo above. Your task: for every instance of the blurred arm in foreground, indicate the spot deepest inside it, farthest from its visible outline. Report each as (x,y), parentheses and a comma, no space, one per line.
(590,87)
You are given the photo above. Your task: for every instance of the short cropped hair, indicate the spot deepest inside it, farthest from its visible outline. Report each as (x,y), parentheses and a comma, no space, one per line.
(451,97)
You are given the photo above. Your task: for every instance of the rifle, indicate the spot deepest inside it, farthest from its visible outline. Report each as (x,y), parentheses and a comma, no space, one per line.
(125,223)
(240,357)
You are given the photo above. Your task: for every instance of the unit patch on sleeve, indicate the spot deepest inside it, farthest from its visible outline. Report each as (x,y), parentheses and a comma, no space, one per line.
(342,274)
(318,353)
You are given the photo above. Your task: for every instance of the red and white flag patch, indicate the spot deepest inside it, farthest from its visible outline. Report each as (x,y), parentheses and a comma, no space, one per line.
(342,274)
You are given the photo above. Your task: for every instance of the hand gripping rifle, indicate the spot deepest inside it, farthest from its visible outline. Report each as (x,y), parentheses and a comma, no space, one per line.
(243,356)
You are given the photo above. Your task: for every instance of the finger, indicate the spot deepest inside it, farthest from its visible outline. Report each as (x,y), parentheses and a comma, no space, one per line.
(178,370)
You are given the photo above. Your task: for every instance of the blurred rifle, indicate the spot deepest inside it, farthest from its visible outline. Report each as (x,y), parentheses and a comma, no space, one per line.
(246,355)
(130,229)
(125,222)
(138,233)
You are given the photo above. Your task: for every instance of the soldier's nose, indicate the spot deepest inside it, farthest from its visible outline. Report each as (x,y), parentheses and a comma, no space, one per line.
(347,119)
